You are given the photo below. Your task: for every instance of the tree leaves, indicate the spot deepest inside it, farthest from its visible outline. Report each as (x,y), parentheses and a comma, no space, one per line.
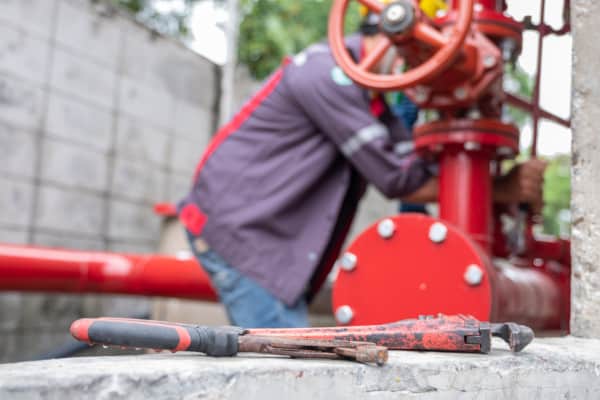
(273,29)
(173,23)
(557,195)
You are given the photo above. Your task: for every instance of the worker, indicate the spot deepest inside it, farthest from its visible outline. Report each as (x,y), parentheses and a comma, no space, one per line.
(275,192)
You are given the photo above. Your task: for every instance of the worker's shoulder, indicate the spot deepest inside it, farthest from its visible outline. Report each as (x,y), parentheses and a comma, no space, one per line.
(318,52)
(312,61)
(315,69)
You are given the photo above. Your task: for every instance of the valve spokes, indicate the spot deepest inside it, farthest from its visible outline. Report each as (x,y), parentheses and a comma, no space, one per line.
(429,35)
(376,54)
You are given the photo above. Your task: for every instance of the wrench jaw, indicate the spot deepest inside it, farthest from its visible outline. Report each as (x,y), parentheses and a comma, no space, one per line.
(516,336)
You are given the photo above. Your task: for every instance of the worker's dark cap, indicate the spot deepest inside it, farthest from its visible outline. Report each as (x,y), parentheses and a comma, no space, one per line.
(370,24)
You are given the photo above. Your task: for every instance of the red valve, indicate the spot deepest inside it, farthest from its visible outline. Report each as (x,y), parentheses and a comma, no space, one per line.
(400,19)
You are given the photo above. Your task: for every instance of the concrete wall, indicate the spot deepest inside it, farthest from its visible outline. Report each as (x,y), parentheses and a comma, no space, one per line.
(586,162)
(99,119)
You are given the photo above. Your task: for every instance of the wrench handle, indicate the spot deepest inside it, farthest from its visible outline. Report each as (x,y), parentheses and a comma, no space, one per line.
(132,333)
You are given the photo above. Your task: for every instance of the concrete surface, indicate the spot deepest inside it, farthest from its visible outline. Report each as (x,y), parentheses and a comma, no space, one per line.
(565,368)
(585,206)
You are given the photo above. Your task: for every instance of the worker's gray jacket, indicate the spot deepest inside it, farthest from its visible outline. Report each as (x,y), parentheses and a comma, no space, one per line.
(269,189)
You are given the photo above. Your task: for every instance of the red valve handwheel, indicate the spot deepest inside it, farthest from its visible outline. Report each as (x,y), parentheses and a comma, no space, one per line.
(421,29)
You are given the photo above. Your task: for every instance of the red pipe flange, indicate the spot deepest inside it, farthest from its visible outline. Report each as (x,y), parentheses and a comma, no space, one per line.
(493,133)
(412,264)
(409,265)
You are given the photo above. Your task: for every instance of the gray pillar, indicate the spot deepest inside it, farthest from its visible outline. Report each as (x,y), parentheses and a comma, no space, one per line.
(228,80)
(585,308)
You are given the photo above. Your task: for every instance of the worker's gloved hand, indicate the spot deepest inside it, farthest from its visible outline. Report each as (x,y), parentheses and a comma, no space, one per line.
(523,184)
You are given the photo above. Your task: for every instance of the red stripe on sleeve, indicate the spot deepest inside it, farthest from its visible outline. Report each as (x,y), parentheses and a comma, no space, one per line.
(241,116)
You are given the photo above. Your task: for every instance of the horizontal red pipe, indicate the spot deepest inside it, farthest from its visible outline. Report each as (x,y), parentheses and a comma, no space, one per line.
(165,209)
(490,5)
(36,269)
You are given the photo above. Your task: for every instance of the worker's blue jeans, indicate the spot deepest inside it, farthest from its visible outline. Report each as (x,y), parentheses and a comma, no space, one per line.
(248,304)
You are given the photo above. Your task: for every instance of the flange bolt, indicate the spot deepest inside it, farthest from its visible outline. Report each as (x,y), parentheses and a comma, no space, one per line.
(505,151)
(472,146)
(386,228)
(438,232)
(344,315)
(421,94)
(461,93)
(489,61)
(348,262)
(473,275)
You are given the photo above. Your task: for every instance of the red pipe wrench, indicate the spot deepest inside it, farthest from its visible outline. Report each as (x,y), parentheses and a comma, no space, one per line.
(368,344)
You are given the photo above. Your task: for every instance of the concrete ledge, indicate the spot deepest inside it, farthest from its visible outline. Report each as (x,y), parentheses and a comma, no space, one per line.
(566,368)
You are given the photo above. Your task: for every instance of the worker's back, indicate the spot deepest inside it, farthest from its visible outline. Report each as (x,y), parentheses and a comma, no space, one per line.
(271,179)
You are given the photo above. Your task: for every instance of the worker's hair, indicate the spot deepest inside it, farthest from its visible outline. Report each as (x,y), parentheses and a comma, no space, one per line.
(369,25)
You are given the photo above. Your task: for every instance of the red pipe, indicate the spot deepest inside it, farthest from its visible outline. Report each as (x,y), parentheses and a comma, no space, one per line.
(466,192)
(531,296)
(25,268)
(488,5)
(519,293)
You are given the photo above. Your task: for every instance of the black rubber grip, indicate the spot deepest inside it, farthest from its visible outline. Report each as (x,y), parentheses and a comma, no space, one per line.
(131,334)
(216,342)
(213,341)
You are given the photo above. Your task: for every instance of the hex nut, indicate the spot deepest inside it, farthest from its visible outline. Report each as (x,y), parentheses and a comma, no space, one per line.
(472,146)
(421,94)
(344,315)
(461,93)
(386,228)
(438,232)
(489,61)
(348,262)
(505,151)
(473,275)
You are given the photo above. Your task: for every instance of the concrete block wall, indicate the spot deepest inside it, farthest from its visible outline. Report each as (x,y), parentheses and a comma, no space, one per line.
(99,119)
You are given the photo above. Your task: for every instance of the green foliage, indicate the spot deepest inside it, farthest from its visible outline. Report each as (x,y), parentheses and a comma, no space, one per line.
(172,23)
(520,83)
(133,6)
(557,195)
(272,29)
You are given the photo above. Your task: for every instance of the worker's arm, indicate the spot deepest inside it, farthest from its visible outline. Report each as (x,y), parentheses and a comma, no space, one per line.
(428,193)
(341,110)
(523,184)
